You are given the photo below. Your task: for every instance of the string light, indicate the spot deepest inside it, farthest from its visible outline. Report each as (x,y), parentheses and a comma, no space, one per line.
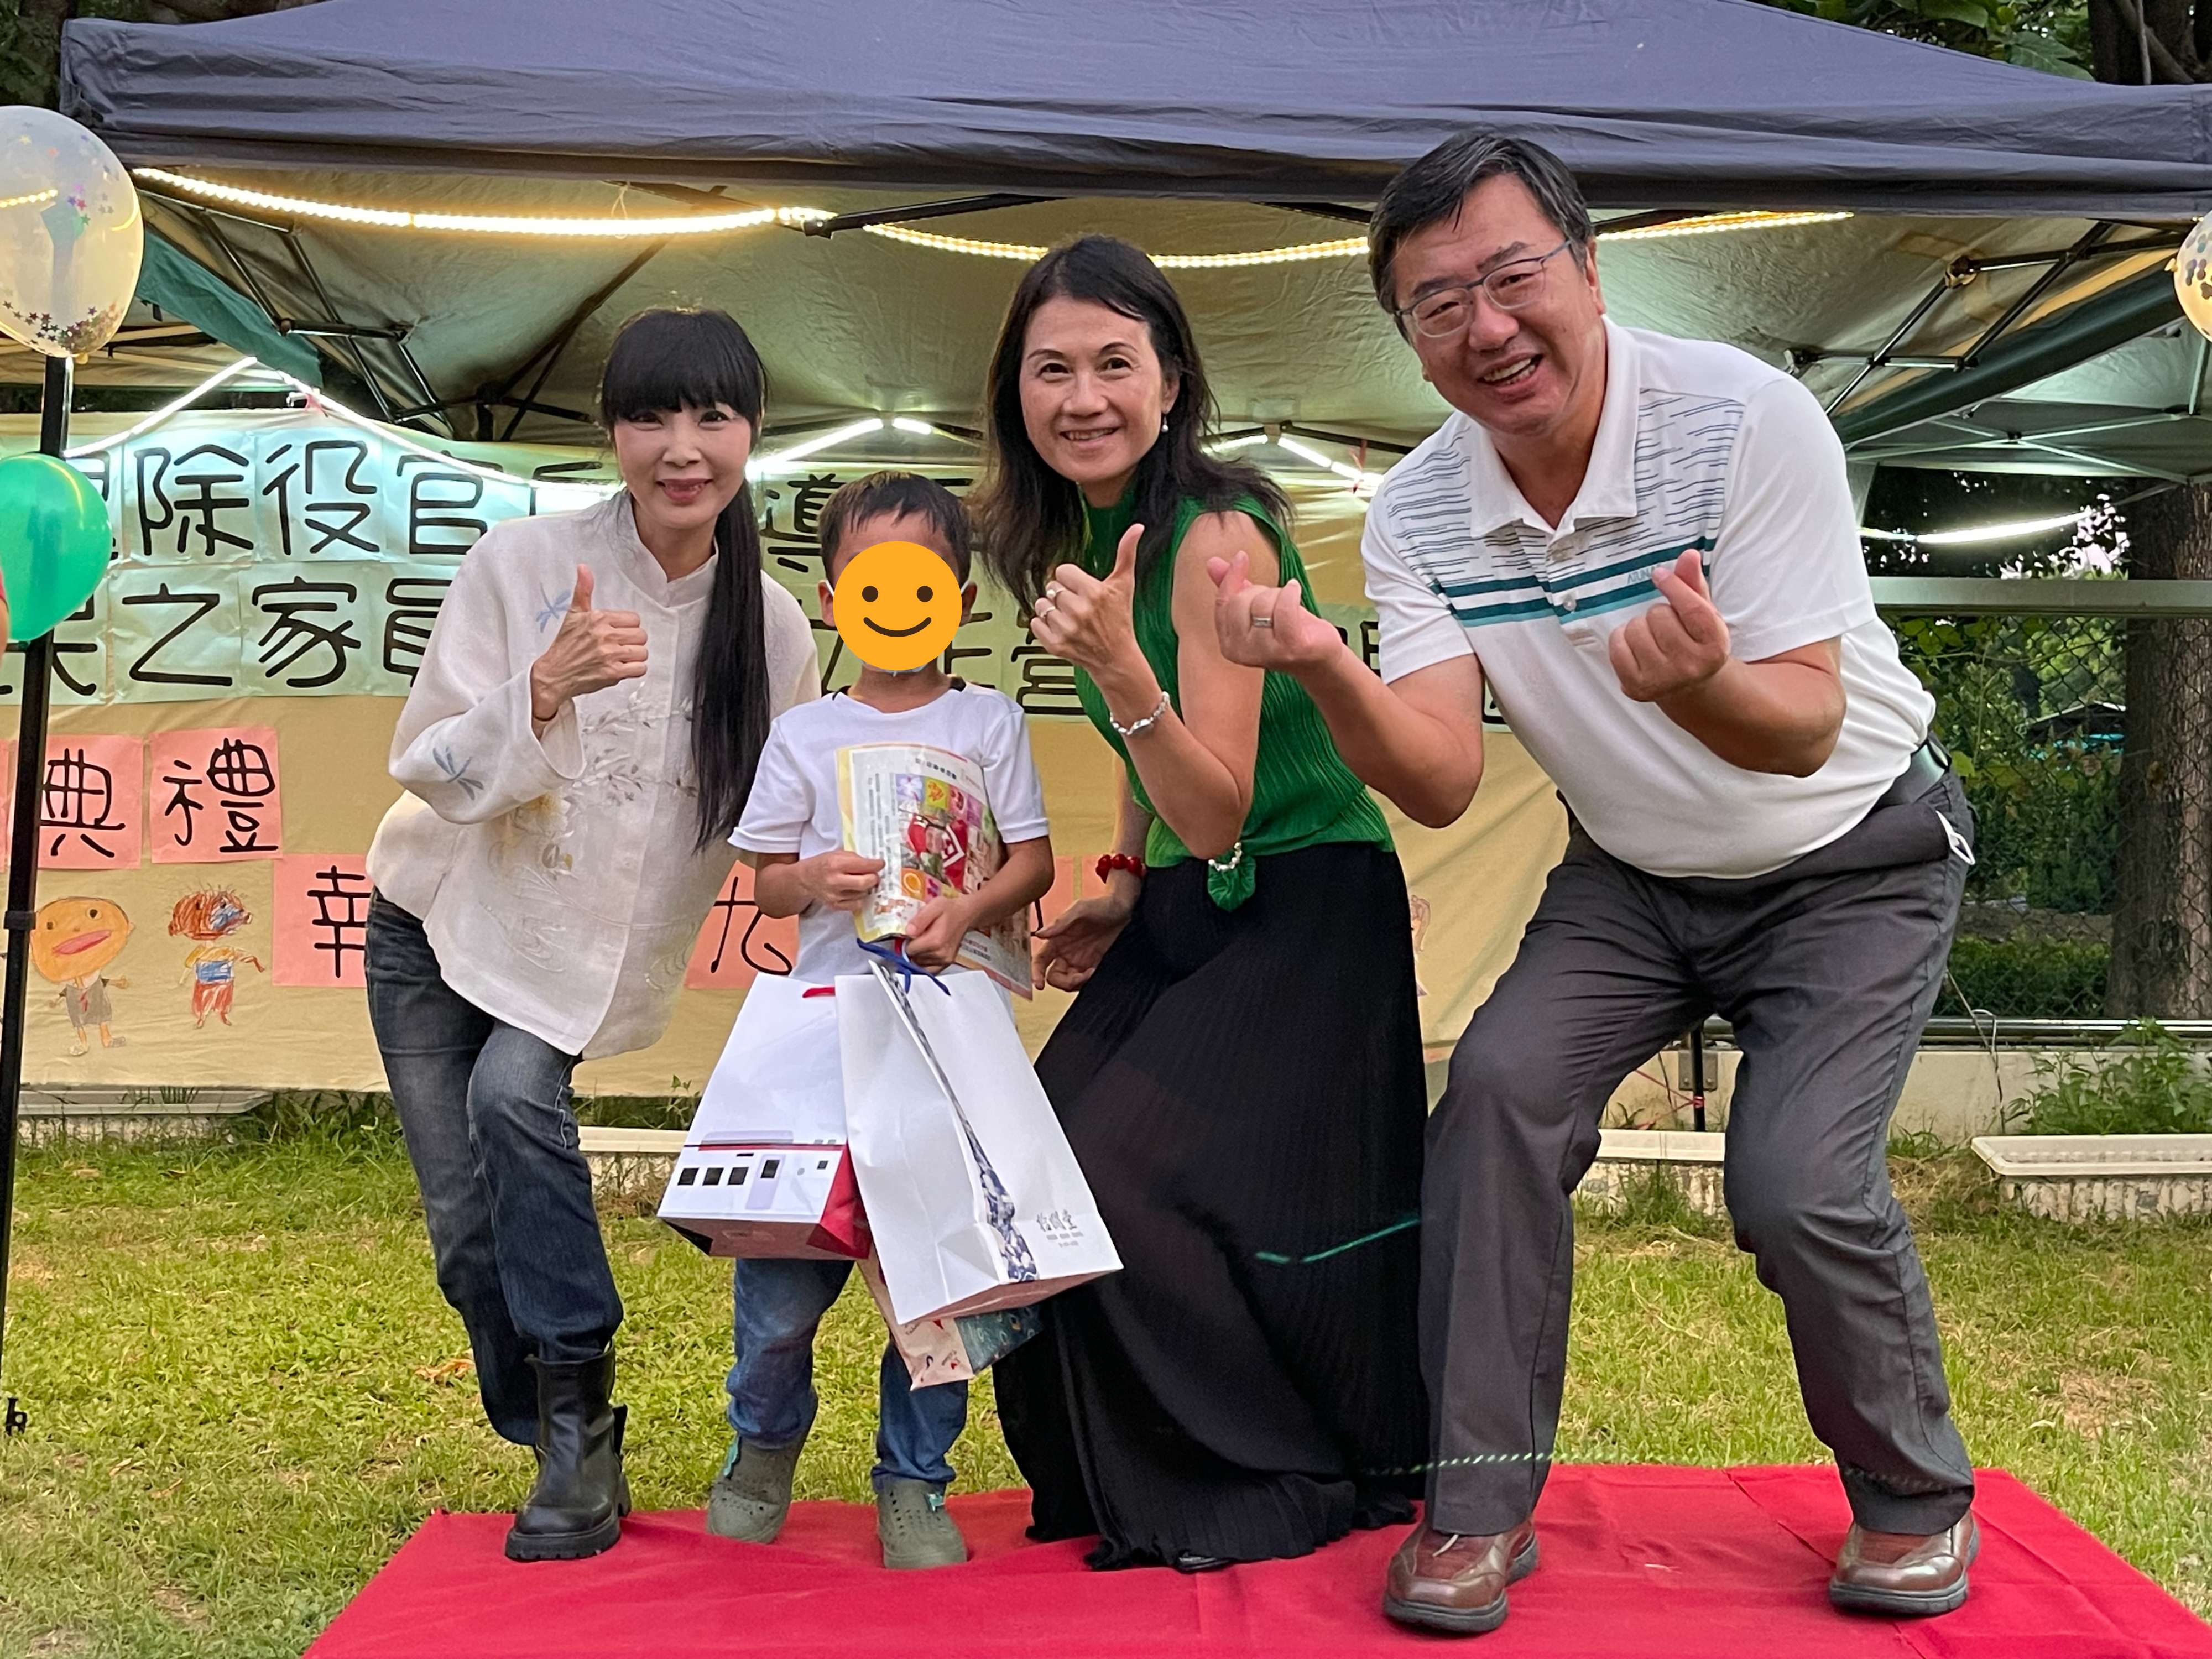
(497,224)
(1028,251)
(2010,531)
(1342,248)
(815,445)
(31,200)
(1706,224)
(322,404)
(554,495)
(1351,475)
(230,372)
(716,224)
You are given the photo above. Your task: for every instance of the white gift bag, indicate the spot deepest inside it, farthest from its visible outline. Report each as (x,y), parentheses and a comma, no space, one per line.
(973,1196)
(765,1171)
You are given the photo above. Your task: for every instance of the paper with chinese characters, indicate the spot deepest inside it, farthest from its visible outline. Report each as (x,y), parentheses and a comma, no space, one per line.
(90,808)
(217,795)
(737,943)
(322,918)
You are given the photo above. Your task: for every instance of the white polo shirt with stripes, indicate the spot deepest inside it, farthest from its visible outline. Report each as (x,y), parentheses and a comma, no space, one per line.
(1702,446)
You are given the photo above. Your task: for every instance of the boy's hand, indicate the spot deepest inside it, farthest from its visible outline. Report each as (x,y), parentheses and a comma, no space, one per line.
(840,880)
(933,939)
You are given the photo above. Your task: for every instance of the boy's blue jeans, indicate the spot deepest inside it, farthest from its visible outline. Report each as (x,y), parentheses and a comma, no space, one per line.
(772,1401)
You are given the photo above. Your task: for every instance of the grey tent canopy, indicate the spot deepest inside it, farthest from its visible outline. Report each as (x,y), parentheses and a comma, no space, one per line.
(1656,103)
(2010,223)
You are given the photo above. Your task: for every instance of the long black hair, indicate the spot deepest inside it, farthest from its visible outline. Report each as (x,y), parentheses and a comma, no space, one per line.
(666,360)
(1031,518)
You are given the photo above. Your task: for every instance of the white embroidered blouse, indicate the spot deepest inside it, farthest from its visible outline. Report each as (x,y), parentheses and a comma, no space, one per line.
(558,877)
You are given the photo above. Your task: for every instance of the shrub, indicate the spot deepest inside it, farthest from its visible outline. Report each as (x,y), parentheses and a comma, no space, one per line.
(2145,1081)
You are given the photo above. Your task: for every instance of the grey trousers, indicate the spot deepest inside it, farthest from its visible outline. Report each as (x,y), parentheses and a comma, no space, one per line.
(1827,969)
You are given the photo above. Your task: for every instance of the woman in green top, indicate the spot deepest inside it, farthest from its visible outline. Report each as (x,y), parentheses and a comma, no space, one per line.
(1241,1075)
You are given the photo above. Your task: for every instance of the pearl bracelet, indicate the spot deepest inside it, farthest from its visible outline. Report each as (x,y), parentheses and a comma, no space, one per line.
(1139,728)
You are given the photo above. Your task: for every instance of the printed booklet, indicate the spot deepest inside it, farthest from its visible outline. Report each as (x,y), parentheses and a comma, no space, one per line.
(922,811)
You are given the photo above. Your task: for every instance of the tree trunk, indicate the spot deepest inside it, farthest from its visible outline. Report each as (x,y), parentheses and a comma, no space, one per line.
(2162,920)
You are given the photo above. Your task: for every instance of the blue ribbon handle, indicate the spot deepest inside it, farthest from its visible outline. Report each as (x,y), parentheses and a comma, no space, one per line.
(894,955)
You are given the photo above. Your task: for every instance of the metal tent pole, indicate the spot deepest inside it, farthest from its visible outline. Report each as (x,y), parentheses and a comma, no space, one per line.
(23,870)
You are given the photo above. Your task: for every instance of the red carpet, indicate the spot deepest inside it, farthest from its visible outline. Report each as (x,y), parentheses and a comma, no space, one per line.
(1639,1563)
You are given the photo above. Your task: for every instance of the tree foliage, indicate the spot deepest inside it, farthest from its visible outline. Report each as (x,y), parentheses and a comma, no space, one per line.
(2052,35)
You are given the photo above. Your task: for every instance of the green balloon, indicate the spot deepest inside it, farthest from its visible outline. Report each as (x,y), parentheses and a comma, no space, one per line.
(53,541)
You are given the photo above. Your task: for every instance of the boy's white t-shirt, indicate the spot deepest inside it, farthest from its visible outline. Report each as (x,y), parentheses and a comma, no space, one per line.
(793,804)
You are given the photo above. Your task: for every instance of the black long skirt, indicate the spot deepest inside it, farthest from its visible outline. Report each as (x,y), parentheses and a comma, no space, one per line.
(1243,1090)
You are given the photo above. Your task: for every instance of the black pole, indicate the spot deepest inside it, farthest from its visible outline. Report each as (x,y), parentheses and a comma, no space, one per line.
(23,870)
(1698,1076)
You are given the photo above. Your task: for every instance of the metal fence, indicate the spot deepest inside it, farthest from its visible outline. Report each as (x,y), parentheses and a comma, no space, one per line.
(2079,713)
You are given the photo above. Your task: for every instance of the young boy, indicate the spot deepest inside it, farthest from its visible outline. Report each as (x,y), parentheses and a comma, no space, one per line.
(793,836)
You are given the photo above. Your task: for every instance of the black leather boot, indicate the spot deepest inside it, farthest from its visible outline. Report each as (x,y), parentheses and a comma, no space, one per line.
(576,1507)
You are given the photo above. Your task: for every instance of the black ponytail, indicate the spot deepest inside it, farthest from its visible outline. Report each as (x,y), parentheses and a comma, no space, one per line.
(669,359)
(729,688)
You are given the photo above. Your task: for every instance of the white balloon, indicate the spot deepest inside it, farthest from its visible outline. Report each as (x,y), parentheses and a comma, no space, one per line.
(70,234)
(2192,275)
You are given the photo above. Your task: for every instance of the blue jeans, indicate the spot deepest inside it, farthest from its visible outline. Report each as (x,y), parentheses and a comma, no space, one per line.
(484,1107)
(778,1303)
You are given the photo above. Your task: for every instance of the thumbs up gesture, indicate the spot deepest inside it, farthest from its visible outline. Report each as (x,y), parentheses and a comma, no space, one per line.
(593,650)
(1678,643)
(1090,620)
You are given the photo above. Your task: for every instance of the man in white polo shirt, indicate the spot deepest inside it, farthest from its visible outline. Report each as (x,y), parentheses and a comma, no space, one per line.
(1647,547)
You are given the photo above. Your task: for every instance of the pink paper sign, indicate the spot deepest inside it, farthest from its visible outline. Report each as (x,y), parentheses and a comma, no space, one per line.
(89,816)
(737,943)
(322,918)
(218,796)
(1057,897)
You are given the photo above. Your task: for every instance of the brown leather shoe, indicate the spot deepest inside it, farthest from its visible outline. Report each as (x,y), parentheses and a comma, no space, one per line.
(1905,1574)
(1456,1582)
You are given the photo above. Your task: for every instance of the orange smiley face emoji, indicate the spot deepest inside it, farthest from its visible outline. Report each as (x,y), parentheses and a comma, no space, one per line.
(897,606)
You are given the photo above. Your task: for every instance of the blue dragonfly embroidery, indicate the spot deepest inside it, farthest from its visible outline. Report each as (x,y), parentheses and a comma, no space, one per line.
(458,774)
(552,608)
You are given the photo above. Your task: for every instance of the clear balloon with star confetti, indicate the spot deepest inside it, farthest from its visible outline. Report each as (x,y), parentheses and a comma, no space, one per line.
(2192,275)
(70,234)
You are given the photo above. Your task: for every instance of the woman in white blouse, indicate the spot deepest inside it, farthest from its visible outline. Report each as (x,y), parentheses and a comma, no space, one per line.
(577,748)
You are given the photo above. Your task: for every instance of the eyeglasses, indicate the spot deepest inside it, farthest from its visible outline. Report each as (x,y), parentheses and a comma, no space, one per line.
(1444,312)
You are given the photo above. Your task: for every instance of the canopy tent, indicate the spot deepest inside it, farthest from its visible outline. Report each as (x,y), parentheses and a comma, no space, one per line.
(1663,103)
(1989,199)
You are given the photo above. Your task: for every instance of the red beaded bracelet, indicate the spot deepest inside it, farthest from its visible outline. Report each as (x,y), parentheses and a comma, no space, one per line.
(1109,862)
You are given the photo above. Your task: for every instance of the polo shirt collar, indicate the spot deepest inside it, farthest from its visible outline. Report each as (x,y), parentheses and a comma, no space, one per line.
(1608,489)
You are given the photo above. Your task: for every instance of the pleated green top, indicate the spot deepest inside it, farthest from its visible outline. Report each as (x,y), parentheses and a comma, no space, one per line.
(1303,794)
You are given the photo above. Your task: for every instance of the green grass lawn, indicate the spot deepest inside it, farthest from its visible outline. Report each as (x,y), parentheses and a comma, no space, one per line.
(245,1391)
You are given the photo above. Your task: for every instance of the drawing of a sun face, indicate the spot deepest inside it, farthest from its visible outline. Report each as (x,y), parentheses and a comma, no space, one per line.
(897,606)
(76,938)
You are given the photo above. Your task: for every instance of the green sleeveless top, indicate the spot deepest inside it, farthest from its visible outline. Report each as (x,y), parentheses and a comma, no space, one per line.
(1303,794)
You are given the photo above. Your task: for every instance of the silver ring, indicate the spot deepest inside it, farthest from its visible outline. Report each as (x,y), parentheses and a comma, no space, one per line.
(1044,608)
(1263,622)
(1052,590)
